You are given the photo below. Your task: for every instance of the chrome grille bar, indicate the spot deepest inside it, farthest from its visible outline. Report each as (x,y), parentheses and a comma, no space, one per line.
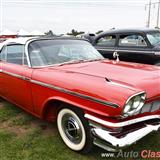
(151,107)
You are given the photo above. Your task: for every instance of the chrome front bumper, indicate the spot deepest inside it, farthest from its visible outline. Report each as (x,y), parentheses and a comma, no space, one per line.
(108,139)
(118,143)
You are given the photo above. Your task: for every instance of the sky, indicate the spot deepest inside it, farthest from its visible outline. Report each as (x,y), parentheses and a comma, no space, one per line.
(62,16)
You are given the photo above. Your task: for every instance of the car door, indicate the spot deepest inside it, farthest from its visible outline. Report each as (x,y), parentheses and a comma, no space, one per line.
(1,75)
(15,76)
(133,47)
(1,78)
(106,45)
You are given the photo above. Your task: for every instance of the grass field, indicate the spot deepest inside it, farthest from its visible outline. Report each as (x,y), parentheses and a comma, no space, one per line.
(24,137)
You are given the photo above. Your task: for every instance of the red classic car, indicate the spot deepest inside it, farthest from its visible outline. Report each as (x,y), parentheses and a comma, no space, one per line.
(94,100)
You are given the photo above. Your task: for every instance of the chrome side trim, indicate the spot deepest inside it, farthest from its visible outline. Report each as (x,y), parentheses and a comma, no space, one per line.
(120,124)
(121,85)
(126,140)
(16,75)
(75,94)
(63,90)
(157,53)
(125,50)
(103,49)
(13,74)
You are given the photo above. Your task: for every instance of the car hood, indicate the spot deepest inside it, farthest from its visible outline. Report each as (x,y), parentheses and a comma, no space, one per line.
(128,75)
(104,80)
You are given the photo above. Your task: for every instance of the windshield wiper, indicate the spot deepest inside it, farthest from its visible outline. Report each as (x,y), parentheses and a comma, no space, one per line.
(72,62)
(95,59)
(80,61)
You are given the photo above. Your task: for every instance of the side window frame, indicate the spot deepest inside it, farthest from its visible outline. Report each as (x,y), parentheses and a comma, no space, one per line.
(3,48)
(128,34)
(96,42)
(23,54)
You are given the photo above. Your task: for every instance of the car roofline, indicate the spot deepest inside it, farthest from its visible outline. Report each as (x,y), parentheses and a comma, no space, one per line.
(123,31)
(24,40)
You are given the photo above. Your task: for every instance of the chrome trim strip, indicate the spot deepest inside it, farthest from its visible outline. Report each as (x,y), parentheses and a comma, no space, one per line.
(75,94)
(120,124)
(139,93)
(64,90)
(103,49)
(123,50)
(100,144)
(126,140)
(121,85)
(157,53)
(134,51)
(13,74)
(26,51)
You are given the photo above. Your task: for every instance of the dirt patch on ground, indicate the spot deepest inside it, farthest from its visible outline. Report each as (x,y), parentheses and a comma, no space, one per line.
(18,130)
(1,105)
(47,128)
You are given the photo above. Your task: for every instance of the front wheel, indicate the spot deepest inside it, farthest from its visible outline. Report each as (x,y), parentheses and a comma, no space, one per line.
(74,130)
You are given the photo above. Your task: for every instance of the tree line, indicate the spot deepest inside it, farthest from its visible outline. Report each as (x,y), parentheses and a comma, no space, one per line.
(72,33)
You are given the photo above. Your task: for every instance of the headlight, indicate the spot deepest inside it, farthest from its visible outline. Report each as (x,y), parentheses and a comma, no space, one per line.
(134,104)
(136,101)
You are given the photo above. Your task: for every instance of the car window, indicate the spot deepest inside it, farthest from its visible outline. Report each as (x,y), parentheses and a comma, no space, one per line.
(132,40)
(51,52)
(154,37)
(107,40)
(15,54)
(3,53)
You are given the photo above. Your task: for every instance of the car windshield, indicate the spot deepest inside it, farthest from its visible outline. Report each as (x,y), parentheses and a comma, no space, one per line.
(154,37)
(51,52)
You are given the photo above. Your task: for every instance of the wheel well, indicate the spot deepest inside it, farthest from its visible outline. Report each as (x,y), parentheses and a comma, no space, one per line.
(52,108)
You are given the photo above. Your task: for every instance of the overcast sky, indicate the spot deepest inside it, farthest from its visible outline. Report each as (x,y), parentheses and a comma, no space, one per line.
(63,15)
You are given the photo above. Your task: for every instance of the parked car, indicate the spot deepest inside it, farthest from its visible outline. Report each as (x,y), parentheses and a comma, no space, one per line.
(94,100)
(133,45)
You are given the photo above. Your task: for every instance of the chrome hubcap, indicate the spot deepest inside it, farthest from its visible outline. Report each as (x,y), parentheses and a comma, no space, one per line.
(72,128)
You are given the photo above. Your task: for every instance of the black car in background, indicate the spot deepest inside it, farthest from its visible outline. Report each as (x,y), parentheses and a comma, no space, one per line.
(133,45)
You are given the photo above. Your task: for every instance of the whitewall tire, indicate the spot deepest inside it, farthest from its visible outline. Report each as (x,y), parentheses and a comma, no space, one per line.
(73,130)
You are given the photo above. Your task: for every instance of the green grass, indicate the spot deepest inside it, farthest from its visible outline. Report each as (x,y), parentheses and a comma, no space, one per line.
(24,137)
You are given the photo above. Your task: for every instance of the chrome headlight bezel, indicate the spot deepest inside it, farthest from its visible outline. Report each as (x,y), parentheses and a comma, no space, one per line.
(134,104)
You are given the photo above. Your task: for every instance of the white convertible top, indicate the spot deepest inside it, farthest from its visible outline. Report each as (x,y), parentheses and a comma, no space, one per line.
(21,40)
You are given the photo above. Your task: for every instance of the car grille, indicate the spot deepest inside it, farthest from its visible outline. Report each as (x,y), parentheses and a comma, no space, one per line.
(151,107)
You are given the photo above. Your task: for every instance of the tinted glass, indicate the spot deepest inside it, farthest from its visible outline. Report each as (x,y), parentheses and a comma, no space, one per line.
(108,40)
(50,52)
(132,40)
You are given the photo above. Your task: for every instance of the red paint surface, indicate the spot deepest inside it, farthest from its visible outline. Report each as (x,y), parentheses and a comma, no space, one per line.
(85,78)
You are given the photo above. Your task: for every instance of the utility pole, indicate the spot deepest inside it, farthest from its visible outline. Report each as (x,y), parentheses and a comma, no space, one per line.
(1,16)
(158,14)
(149,14)
(149,5)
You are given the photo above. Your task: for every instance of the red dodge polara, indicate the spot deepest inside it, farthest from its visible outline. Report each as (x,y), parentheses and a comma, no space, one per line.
(94,100)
